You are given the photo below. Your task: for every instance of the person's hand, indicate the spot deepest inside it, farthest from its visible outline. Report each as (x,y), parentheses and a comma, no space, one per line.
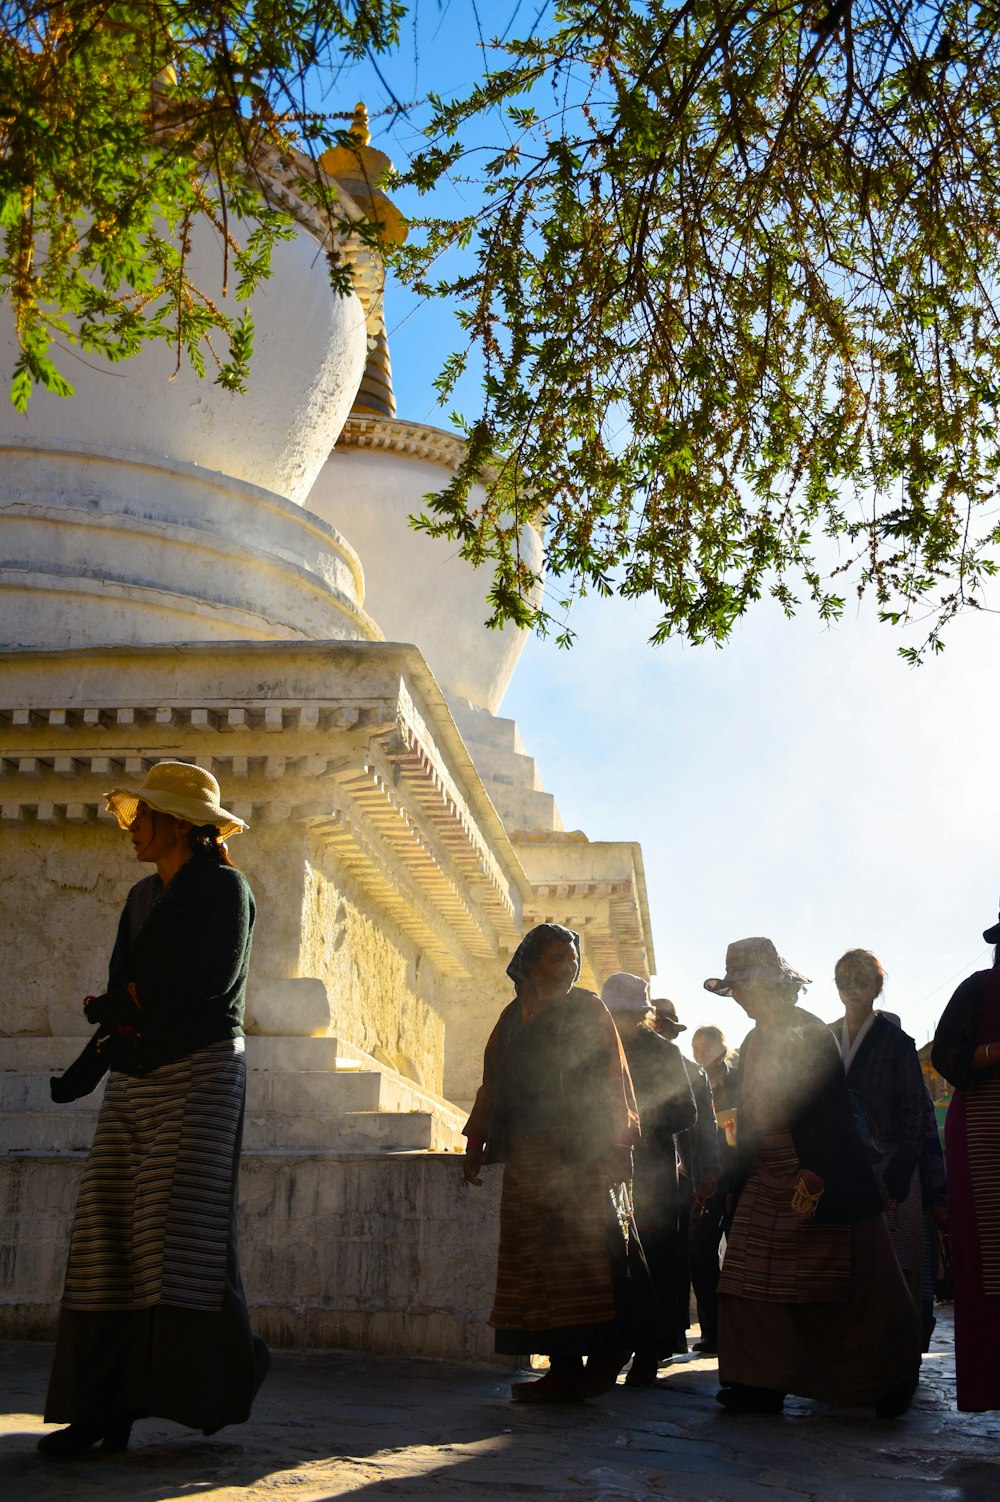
(939,1215)
(103,1011)
(471,1164)
(708,1186)
(806,1194)
(114,1008)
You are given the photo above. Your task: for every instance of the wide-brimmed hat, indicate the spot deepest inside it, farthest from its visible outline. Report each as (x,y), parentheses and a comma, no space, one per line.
(992,935)
(178,788)
(623,992)
(754,959)
(667,1012)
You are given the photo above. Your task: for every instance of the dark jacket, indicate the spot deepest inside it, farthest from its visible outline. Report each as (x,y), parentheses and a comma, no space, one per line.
(662,1089)
(561,1074)
(957,1036)
(185,952)
(886,1085)
(820,1120)
(698,1147)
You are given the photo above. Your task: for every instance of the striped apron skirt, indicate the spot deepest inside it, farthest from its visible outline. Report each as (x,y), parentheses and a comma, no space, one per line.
(809,1307)
(153,1317)
(972,1145)
(571,1275)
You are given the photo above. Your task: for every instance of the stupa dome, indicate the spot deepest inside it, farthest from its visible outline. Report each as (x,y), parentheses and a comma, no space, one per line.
(417,588)
(310,348)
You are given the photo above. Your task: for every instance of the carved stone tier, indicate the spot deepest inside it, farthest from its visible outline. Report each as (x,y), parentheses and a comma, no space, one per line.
(352,742)
(598,888)
(417,587)
(99,545)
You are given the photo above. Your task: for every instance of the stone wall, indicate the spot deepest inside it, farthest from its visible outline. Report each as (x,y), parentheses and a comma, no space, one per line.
(364,1253)
(63,895)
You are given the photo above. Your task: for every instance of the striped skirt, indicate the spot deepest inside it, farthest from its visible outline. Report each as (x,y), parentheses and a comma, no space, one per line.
(153,1216)
(972,1145)
(554,1275)
(810,1308)
(153,1318)
(773,1253)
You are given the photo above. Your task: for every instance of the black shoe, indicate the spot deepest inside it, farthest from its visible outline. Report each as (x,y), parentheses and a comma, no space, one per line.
(77,1439)
(706,1347)
(601,1373)
(894,1403)
(554,1387)
(642,1372)
(117,1436)
(740,1398)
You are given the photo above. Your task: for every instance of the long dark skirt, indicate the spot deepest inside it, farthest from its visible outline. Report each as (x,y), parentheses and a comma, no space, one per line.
(805,1307)
(154,1320)
(658,1220)
(569,1281)
(972,1145)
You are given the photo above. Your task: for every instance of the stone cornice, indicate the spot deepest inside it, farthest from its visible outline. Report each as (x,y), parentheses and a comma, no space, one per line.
(376,769)
(415,440)
(604,898)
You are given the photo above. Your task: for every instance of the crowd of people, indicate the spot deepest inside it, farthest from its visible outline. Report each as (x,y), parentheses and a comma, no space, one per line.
(797,1188)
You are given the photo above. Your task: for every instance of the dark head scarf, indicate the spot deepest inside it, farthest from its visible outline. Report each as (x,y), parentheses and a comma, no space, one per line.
(535,942)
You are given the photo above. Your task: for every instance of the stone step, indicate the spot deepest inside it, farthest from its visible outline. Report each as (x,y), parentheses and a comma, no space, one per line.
(267,1094)
(65,1129)
(337,1105)
(47,1055)
(70,1130)
(351,1131)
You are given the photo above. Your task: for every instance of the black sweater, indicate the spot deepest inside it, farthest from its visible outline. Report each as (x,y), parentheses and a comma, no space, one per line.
(185,949)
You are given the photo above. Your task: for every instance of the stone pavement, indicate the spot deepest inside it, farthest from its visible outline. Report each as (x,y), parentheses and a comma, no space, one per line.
(341,1425)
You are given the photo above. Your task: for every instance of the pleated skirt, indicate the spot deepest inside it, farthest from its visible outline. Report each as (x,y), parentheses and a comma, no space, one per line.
(154,1319)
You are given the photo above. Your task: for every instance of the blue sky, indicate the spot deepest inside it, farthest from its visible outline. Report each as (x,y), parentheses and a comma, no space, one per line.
(801,783)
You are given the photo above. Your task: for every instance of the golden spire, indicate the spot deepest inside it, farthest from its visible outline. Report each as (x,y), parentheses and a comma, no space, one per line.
(359,167)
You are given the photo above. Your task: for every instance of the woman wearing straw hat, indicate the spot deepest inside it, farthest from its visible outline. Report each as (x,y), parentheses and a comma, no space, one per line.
(153,1319)
(811,1298)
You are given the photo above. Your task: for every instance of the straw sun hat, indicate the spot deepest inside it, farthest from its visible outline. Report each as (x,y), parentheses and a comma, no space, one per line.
(754,959)
(178,788)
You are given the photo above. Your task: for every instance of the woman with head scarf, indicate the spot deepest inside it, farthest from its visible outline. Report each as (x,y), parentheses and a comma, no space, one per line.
(557,1108)
(966,1052)
(811,1297)
(153,1318)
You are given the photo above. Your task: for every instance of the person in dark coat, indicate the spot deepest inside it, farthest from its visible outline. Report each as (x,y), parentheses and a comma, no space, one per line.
(966,1053)
(153,1319)
(557,1108)
(666,1106)
(889,1096)
(811,1297)
(701,1197)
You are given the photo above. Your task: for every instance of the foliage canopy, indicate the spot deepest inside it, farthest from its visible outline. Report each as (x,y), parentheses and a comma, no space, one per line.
(735,291)
(123,120)
(731,272)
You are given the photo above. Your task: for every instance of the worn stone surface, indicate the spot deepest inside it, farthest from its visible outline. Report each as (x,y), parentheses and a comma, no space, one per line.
(330,1425)
(378,1249)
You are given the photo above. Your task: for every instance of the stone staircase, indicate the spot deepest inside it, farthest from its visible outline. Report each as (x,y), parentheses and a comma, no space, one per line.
(356,1228)
(303,1095)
